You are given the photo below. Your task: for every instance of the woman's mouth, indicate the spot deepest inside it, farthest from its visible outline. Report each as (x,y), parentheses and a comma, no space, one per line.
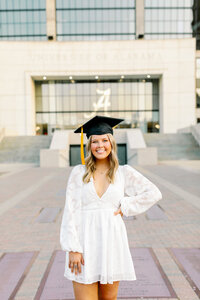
(100,151)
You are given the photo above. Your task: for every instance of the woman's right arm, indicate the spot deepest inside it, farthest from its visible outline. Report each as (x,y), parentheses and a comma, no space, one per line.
(69,239)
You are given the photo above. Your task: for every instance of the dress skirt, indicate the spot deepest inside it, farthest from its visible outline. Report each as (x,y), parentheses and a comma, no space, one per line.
(106,250)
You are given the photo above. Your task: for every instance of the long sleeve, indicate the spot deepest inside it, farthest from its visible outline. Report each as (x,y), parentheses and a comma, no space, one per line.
(141,192)
(69,231)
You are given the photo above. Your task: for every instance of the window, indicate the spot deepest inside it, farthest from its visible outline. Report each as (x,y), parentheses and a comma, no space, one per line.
(168,19)
(64,105)
(95,20)
(23,20)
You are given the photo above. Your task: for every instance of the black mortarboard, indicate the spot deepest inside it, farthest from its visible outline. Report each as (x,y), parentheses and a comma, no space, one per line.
(97,125)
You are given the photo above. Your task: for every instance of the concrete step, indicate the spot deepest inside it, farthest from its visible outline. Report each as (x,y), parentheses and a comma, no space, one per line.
(178,154)
(23,149)
(175,146)
(179,139)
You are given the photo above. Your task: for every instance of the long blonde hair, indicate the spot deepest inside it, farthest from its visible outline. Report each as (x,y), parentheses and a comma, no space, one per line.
(90,160)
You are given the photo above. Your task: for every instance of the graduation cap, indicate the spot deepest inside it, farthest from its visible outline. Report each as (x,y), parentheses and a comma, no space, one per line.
(97,125)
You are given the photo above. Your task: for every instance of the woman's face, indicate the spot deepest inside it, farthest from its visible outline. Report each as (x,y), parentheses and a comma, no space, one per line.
(100,146)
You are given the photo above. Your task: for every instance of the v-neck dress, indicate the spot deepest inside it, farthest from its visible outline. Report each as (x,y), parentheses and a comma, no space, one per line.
(90,227)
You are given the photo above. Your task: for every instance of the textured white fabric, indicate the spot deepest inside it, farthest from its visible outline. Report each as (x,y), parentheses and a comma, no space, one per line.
(141,193)
(89,225)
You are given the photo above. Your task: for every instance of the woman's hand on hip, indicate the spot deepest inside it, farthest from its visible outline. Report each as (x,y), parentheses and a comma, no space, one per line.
(75,261)
(118,212)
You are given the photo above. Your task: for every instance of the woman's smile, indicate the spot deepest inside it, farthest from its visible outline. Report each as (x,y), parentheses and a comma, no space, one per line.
(100,151)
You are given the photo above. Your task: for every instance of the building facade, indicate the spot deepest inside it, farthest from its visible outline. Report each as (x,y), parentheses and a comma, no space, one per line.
(62,62)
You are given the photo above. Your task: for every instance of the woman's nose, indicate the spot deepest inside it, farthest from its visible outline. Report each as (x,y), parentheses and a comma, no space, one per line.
(100,144)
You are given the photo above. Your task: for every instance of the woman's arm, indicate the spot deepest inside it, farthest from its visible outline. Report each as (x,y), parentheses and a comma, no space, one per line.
(141,193)
(69,238)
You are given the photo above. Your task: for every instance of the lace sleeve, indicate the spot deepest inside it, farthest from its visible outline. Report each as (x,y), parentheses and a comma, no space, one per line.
(141,193)
(69,232)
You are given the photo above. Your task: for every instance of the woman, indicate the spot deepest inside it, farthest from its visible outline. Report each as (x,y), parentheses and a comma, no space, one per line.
(93,234)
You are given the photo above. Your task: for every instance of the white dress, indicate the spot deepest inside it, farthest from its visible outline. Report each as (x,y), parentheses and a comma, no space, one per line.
(89,225)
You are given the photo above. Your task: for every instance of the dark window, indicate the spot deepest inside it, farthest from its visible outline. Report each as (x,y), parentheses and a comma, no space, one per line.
(198,83)
(196,22)
(75,157)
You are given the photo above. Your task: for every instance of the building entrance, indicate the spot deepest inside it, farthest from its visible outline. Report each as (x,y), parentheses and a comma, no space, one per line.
(74,154)
(65,104)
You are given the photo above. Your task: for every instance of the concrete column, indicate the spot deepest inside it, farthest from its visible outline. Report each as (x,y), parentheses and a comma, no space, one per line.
(51,19)
(139,18)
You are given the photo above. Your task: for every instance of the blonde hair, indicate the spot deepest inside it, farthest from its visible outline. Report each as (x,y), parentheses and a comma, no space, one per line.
(90,160)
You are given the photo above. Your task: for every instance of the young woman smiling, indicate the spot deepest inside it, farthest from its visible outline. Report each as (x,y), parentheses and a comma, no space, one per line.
(93,234)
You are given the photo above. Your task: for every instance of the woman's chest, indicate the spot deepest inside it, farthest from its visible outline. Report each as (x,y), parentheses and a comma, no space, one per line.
(101,184)
(105,193)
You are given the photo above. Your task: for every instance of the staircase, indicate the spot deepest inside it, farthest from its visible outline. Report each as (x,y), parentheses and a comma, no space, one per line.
(174,146)
(23,149)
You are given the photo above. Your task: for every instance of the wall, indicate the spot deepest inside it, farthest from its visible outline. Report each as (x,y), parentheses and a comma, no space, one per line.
(22,62)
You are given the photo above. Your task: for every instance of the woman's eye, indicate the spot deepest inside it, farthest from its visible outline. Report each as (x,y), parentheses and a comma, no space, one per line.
(96,141)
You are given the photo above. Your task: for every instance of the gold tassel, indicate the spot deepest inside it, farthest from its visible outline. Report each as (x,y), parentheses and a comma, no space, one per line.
(82,148)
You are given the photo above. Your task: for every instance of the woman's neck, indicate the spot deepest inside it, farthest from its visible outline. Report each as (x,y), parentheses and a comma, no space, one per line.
(102,164)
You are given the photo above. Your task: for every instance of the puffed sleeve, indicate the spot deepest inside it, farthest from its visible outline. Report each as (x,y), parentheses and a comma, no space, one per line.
(69,230)
(141,192)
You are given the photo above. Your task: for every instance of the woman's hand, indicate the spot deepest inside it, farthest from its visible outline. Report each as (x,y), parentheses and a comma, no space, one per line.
(118,212)
(75,261)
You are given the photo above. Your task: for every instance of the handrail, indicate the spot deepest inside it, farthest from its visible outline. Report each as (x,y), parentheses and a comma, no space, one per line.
(2,133)
(195,130)
(133,155)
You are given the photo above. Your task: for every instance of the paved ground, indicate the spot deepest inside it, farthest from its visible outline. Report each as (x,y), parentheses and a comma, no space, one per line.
(26,189)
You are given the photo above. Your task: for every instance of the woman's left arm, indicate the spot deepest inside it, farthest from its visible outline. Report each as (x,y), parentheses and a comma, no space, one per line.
(141,193)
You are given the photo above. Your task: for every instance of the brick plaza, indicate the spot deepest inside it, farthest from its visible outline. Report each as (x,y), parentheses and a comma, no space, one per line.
(27,189)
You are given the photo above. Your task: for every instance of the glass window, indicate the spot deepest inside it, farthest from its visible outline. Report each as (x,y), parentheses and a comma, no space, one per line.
(112,20)
(198,83)
(72,104)
(26,20)
(168,19)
